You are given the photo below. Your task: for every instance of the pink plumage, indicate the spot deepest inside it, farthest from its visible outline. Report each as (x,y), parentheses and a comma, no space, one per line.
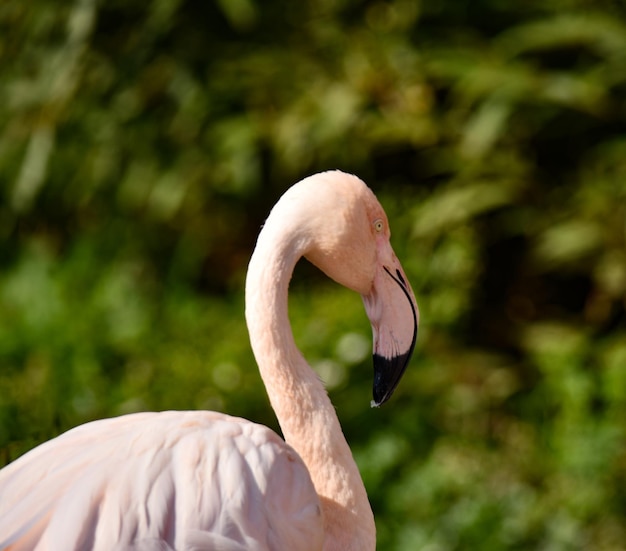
(205,480)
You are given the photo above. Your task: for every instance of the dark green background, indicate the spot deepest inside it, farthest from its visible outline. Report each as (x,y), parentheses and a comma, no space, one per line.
(143,143)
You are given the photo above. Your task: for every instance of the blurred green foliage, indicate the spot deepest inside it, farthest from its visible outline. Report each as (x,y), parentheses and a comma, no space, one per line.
(143,143)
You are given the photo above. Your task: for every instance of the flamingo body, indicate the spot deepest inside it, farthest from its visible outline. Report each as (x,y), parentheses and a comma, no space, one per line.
(154,481)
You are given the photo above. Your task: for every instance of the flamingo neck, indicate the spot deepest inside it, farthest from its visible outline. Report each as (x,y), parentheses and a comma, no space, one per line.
(304,411)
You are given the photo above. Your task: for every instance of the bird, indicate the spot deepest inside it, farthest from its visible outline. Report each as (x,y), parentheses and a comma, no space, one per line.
(191,480)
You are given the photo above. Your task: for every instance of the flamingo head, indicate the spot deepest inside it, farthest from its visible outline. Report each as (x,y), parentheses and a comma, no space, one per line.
(347,236)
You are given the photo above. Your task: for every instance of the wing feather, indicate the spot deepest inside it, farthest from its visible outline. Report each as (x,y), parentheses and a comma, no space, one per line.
(169,480)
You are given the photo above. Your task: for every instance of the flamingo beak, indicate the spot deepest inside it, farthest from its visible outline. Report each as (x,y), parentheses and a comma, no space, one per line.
(393,313)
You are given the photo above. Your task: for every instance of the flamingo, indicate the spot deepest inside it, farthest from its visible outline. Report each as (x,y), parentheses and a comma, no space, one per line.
(204,480)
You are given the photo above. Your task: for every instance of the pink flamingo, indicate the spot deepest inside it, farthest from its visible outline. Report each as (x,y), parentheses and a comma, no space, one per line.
(205,480)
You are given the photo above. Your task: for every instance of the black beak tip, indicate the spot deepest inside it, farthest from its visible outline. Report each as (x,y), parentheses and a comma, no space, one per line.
(387,375)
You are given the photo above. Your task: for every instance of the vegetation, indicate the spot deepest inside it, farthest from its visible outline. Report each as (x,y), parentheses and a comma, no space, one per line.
(143,143)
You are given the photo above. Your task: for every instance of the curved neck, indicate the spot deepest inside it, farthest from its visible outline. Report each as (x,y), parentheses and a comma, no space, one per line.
(304,411)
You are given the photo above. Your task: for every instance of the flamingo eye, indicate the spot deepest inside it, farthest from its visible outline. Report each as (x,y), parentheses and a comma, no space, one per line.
(378,225)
